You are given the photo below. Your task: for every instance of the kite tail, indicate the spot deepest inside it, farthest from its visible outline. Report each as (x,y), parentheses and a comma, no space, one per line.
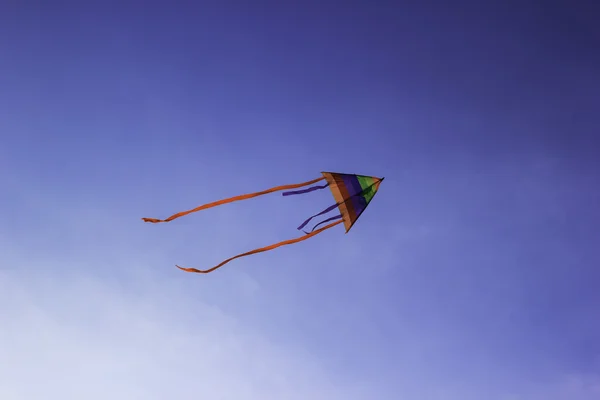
(262,249)
(322,222)
(325,211)
(232,199)
(311,189)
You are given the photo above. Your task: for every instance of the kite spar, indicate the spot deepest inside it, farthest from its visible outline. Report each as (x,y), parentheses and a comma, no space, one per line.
(352,194)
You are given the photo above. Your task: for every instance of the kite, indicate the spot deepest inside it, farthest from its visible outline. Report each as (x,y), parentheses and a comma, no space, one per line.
(352,194)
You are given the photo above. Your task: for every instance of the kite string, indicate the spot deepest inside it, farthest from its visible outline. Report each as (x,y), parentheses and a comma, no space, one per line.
(262,249)
(232,199)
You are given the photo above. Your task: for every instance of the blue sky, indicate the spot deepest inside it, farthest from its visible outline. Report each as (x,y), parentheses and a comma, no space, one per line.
(472,275)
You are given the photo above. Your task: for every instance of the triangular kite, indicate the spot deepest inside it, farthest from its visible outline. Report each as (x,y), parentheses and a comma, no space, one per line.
(352,194)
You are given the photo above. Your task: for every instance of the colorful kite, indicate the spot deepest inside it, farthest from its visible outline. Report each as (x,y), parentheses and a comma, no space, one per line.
(352,194)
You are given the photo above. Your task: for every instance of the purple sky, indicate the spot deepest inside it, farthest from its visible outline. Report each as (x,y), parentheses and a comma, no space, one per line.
(472,275)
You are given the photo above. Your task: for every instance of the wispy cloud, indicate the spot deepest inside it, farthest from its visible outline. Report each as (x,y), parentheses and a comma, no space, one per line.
(78,337)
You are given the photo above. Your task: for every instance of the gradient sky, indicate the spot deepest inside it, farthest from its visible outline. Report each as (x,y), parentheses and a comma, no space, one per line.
(473,275)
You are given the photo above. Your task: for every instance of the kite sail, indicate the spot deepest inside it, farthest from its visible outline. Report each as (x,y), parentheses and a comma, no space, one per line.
(352,194)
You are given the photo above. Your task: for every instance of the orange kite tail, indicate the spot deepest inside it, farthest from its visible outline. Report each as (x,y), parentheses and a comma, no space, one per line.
(232,199)
(262,249)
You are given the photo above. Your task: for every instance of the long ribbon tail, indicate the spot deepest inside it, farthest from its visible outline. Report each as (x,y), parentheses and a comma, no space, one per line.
(262,249)
(232,199)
